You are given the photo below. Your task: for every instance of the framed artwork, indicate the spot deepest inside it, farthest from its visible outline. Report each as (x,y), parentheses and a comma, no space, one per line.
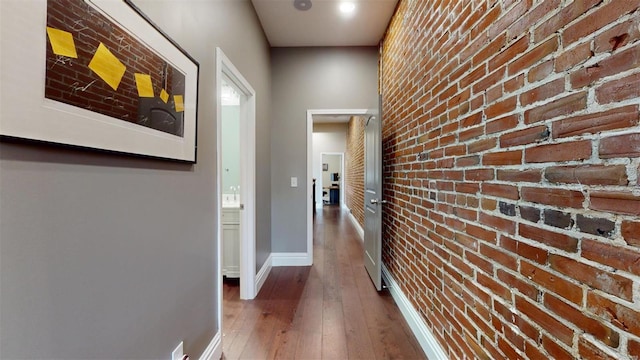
(325,167)
(95,74)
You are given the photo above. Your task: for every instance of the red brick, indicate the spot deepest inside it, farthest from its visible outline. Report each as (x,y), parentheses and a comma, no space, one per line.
(550,238)
(529,175)
(468,161)
(503,158)
(471,120)
(501,108)
(619,90)
(563,106)
(542,92)
(499,256)
(479,175)
(514,84)
(617,314)
(562,18)
(589,325)
(473,76)
(578,150)
(541,71)
(619,118)
(627,145)
(501,124)
(615,202)
(557,197)
(606,14)
(588,350)
(532,253)
(618,257)
(491,79)
(481,145)
(533,352)
(509,18)
(524,137)
(618,36)
(634,348)
(587,175)
(522,24)
(631,232)
(614,64)
(555,351)
(481,233)
(608,282)
(514,282)
(499,223)
(495,287)
(501,190)
(508,350)
(575,56)
(533,56)
(509,53)
(472,133)
(552,282)
(490,50)
(541,317)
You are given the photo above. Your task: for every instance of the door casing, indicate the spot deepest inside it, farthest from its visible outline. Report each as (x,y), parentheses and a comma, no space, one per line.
(225,69)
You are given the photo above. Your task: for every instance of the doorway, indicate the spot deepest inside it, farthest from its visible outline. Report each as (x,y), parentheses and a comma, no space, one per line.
(235,178)
(310,197)
(331,181)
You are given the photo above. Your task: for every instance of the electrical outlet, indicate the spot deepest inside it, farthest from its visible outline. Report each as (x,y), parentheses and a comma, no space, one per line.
(294,181)
(178,353)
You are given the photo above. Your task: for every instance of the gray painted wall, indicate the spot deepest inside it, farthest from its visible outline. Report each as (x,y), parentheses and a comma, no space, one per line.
(302,79)
(108,256)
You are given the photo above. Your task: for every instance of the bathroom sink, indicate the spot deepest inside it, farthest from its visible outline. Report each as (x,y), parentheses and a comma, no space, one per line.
(230,201)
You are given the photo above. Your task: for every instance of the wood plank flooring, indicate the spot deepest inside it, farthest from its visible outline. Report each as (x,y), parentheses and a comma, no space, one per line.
(327,311)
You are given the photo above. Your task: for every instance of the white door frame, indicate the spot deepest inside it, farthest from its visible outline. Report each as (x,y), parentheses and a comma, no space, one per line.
(310,113)
(225,68)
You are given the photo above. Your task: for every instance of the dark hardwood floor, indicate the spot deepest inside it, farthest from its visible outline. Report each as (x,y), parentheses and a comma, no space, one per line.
(327,311)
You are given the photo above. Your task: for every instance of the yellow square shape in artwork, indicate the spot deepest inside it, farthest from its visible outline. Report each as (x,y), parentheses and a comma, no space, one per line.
(178,99)
(62,42)
(164,96)
(143,83)
(107,66)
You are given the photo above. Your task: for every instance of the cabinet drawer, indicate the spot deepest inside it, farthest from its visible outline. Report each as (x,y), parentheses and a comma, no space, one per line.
(230,216)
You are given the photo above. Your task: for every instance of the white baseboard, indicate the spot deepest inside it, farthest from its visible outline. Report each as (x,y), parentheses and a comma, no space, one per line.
(355,223)
(425,337)
(262,275)
(291,259)
(214,349)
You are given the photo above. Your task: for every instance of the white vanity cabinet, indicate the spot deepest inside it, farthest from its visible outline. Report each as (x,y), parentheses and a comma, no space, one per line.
(231,243)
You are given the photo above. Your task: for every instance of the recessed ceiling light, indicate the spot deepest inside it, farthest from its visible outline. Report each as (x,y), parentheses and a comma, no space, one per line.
(347,8)
(302,5)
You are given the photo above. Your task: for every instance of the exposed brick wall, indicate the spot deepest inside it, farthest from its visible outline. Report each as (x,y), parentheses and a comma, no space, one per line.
(511,163)
(354,168)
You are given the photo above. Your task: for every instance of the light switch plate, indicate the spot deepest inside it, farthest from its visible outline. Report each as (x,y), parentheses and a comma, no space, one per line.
(178,353)
(294,181)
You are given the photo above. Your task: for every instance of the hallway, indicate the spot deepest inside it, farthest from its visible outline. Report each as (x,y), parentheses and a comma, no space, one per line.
(327,311)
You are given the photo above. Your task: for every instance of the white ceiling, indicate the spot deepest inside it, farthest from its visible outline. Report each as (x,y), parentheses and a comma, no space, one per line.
(323,24)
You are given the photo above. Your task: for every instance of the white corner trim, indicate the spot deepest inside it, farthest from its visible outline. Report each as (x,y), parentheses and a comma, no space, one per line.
(291,259)
(263,273)
(354,221)
(432,349)
(214,349)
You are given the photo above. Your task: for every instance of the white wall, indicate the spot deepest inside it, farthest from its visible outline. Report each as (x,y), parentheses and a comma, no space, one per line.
(327,138)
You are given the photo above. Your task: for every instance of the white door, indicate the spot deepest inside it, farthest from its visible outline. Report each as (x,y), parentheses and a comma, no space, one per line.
(373,199)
